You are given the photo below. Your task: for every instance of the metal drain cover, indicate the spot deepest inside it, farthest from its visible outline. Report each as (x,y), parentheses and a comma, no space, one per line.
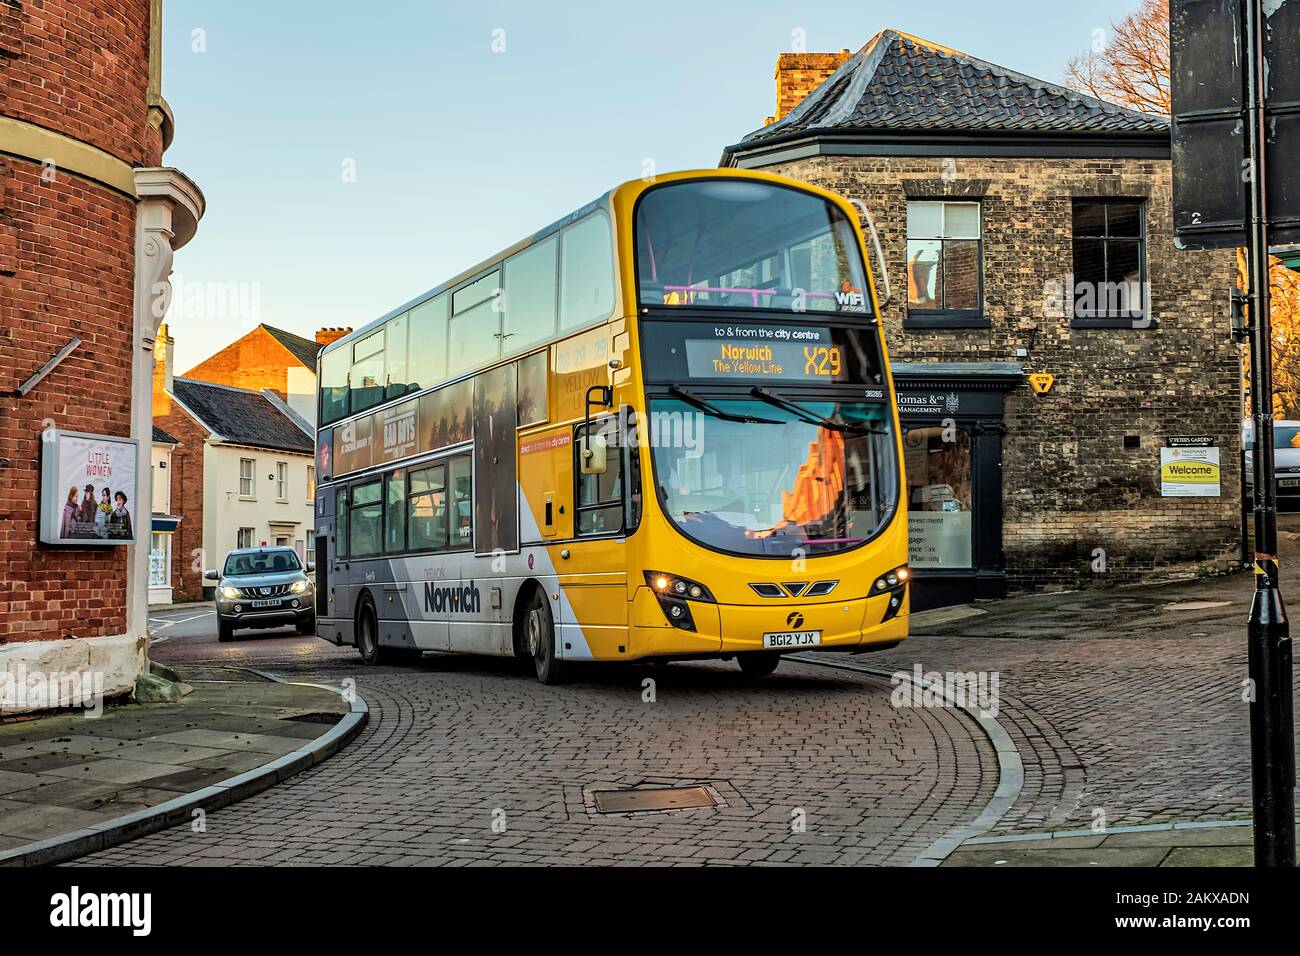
(658,798)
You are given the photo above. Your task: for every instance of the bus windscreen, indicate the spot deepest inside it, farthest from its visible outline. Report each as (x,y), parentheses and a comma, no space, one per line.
(728,244)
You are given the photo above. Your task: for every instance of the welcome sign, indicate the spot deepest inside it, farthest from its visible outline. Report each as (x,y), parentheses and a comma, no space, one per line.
(89,486)
(1189,472)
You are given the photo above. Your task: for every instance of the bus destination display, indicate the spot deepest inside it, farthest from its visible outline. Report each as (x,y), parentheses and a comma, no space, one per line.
(743,353)
(735,358)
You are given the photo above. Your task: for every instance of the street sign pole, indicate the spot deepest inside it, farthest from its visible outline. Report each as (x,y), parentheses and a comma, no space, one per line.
(1272,733)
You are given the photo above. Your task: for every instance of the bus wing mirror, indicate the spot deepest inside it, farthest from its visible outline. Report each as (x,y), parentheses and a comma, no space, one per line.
(882,270)
(592,458)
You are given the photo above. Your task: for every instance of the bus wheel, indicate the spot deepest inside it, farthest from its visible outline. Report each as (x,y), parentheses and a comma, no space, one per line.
(539,632)
(758,664)
(368,633)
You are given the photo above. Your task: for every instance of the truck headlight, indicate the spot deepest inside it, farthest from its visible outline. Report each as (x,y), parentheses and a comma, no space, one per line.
(229,592)
(298,587)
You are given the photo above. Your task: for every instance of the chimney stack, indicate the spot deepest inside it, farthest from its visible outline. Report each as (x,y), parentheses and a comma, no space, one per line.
(798,74)
(328,335)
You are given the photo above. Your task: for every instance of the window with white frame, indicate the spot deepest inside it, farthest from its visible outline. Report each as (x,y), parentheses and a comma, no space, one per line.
(244,538)
(311,484)
(246,484)
(944,274)
(281,481)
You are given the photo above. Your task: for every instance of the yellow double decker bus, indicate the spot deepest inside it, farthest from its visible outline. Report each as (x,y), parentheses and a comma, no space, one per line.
(661,428)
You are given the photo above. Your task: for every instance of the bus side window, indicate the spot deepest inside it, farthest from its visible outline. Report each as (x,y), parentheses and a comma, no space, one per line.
(462,502)
(427,509)
(600,497)
(341,524)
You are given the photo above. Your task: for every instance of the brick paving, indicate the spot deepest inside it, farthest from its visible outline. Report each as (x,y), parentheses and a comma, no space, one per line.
(459,743)
(1125,706)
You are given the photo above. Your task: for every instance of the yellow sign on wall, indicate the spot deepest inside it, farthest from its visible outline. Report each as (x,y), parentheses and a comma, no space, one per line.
(1189,473)
(1041,382)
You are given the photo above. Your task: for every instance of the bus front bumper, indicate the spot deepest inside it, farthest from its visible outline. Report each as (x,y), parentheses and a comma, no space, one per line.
(727,629)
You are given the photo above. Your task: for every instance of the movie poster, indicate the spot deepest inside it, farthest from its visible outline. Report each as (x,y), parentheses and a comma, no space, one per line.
(89,489)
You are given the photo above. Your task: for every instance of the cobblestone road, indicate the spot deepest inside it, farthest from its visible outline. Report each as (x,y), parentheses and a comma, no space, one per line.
(460,743)
(1126,707)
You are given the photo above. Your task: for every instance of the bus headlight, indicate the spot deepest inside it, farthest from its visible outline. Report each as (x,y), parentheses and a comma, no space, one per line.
(672,585)
(894,584)
(896,578)
(674,593)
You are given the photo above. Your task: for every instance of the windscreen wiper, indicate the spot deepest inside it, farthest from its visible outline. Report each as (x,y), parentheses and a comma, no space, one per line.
(709,408)
(810,417)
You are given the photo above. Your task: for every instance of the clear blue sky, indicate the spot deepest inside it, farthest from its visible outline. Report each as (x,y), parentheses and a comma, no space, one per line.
(460,150)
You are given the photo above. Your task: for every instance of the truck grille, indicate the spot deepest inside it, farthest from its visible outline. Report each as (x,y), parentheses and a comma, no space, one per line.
(268,591)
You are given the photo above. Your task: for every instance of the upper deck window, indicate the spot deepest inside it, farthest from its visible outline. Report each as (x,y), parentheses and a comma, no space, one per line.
(739,244)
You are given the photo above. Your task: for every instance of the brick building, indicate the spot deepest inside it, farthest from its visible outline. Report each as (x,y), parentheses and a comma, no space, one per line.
(242,472)
(271,358)
(1027,229)
(89,221)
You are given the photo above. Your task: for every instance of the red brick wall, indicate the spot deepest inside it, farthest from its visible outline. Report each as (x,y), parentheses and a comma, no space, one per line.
(67,265)
(82,69)
(60,280)
(256,360)
(186,477)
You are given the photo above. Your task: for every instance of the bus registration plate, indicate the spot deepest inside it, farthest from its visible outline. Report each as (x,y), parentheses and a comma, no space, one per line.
(792,638)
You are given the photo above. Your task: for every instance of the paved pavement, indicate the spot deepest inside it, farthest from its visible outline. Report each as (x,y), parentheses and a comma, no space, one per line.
(71,772)
(1186,845)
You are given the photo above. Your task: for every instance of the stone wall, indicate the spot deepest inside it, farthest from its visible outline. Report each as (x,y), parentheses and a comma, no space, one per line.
(1070,484)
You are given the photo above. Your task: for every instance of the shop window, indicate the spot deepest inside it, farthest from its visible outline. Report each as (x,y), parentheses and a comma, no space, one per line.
(938,466)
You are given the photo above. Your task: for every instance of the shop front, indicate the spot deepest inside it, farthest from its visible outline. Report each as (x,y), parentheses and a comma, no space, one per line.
(952,420)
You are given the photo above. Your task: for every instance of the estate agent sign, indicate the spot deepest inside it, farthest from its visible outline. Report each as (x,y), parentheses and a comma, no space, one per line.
(89,487)
(1189,468)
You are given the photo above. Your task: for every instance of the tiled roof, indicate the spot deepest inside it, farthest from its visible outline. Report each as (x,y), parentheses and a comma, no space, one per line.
(899,83)
(304,350)
(162,436)
(242,416)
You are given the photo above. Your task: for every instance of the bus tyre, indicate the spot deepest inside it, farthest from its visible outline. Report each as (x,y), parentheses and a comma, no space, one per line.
(225,632)
(758,664)
(539,634)
(368,634)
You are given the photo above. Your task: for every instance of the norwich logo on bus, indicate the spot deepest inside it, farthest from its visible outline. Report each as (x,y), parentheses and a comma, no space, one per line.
(439,598)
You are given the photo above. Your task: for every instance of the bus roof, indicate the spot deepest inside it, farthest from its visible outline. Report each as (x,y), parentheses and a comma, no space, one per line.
(599,202)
